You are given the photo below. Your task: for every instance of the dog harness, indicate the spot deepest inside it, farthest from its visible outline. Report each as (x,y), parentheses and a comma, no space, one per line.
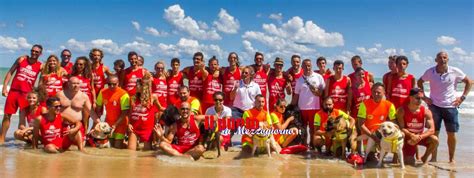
(398,139)
(340,135)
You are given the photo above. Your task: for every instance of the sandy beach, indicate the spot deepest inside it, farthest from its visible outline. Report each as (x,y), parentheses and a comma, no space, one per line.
(17,160)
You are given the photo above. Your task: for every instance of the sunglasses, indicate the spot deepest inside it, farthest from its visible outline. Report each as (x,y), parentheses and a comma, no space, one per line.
(184,109)
(57,107)
(282,106)
(245,72)
(66,55)
(218,100)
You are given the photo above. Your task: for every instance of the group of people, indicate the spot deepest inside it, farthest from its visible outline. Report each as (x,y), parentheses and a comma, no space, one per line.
(57,111)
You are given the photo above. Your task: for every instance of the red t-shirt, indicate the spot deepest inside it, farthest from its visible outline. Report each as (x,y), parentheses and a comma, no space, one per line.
(160,89)
(196,83)
(229,79)
(338,92)
(400,90)
(414,121)
(130,81)
(276,87)
(26,75)
(174,82)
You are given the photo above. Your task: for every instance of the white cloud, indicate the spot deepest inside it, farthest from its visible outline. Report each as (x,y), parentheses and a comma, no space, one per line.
(13,44)
(203,25)
(105,44)
(138,38)
(278,17)
(376,54)
(446,40)
(415,54)
(460,57)
(307,32)
(136,25)
(154,32)
(226,23)
(141,47)
(186,24)
(459,51)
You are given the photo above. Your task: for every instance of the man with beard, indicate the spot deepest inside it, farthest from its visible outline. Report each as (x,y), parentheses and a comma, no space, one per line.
(98,69)
(261,74)
(195,75)
(130,76)
(322,134)
(193,102)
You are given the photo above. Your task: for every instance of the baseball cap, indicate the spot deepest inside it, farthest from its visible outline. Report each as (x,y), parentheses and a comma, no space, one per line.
(415,91)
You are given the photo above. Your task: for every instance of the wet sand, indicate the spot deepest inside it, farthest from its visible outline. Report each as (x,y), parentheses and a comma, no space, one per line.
(18,161)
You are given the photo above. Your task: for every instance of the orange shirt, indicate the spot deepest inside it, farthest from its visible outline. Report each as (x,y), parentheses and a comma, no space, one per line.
(375,114)
(115,101)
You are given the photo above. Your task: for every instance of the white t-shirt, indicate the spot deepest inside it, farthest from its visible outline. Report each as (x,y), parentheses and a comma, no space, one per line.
(443,86)
(226,112)
(245,95)
(306,100)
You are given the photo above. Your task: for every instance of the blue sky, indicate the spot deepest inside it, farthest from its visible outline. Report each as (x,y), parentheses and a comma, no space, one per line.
(165,29)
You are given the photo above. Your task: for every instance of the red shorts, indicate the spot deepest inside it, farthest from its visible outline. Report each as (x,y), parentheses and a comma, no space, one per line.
(15,99)
(67,142)
(144,135)
(410,150)
(308,117)
(182,148)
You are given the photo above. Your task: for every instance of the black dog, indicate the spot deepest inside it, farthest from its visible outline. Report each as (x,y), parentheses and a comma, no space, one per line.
(169,117)
(211,137)
(293,110)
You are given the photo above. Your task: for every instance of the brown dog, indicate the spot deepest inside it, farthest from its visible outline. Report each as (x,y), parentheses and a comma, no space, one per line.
(343,134)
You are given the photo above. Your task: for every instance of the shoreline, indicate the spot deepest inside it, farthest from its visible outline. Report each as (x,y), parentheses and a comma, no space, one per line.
(18,161)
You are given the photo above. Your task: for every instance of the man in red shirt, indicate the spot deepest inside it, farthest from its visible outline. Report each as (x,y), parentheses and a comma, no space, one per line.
(27,69)
(412,119)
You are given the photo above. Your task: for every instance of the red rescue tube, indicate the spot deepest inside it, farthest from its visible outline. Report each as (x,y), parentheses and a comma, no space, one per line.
(294,149)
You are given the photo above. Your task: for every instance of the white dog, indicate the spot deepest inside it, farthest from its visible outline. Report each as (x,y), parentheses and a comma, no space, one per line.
(264,140)
(391,141)
(99,136)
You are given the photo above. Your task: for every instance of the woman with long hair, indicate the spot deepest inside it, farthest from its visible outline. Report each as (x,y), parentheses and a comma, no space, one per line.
(142,118)
(82,70)
(52,76)
(27,117)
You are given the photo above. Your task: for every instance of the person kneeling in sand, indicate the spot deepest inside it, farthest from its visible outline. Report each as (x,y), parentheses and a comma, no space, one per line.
(187,132)
(53,136)
(412,119)
(28,115)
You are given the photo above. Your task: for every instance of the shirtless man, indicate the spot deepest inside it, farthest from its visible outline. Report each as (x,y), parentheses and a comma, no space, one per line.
(187,132)
(76,104)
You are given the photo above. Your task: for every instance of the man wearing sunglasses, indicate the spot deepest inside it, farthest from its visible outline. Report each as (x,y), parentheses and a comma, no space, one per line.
(412,119)
(117,104)
(27,69)
(66,60)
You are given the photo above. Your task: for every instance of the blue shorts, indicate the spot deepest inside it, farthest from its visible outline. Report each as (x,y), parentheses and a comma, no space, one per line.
(448,115)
